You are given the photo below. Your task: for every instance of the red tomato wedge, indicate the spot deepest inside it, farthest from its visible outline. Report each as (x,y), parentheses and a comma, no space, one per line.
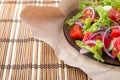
(89,13)
(116,49)
(115,52)
(86,36)
(107,42)
(114,14)
(76,32)
(115,33)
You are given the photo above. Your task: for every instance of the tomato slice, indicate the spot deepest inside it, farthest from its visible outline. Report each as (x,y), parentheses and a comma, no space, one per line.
(116,49)
(115,52)
(76,32)
(115,33)
(107,40)
(86,36)
(114,14)
(87,13)
(117,44)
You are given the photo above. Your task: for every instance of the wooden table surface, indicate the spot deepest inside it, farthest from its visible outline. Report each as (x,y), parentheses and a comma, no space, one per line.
(22,57)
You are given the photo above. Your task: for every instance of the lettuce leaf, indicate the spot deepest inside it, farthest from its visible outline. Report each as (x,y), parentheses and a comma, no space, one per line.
(96,50)
(92,29)
(118,56)
(81,7)
(88,27)
(84,4)
(71,21)
(103,22)
(114,3)
(87,24)
(104,19)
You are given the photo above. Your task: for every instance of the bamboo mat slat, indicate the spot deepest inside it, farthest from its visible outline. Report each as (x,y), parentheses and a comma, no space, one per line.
(23,57)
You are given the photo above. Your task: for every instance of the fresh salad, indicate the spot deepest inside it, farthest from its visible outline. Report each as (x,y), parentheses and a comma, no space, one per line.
(96,28)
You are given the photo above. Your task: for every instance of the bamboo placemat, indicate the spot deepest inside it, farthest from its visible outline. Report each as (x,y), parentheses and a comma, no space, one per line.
(21,56)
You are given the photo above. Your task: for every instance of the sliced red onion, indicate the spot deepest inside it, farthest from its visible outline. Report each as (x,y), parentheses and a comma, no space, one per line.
(93,12)
(118,27)
(83,51)
(79,23)
(90,42)
(103,38)
(101,32)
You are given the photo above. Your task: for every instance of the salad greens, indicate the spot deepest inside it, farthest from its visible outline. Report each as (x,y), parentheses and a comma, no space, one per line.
(104,19)
(114,3)
(88,27)
(103,22)
(84,4)
(96,50)
(93,21)
(118,56)
(70,22)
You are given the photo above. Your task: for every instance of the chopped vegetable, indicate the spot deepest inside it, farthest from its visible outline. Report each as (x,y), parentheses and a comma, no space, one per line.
(86,36)
(114,14)
(96,50)
(70,22)
(114,3)
(118,56)
(76,32)
(84,4)
(116,45)
(93,28)
(104,19)
(115,33)
(87,24)
(89,13)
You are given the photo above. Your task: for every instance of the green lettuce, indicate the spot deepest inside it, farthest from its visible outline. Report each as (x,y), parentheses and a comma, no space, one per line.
(87,24)
(85,4)
(81,7)
(96,50)
(103,22)
(71,21)
(88,27)
(104,19)
(114,3)
(118,56)
(93,28)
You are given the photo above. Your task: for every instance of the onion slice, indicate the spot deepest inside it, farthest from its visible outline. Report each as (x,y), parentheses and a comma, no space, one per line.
(93,12)
(101,32)
(90,42)
(103,40)
(83,51)
(79,23)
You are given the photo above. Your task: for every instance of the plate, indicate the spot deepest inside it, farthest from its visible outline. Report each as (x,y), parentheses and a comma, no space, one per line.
(107,59)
